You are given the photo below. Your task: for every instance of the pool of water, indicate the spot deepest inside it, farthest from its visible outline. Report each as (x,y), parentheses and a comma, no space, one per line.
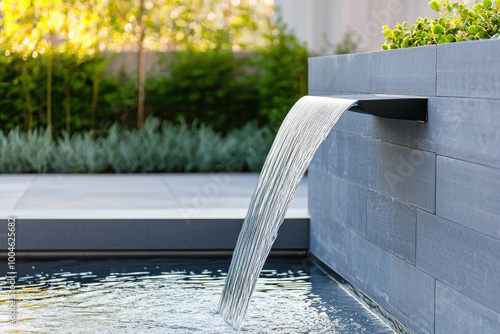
(177,296)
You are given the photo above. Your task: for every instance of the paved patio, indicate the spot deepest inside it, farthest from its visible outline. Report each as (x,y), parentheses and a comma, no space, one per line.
(109,213)
(133,196)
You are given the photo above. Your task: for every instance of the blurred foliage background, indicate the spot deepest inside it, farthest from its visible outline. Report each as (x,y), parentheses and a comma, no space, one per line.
(231,63)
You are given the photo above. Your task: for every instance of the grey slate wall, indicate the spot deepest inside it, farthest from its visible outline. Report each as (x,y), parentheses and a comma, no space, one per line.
(409,212)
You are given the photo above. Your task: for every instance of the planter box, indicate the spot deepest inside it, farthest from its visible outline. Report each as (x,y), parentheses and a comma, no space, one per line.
(408,212)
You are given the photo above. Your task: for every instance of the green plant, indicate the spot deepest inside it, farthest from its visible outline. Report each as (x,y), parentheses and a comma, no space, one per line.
(23,94)
(156,147)
(457,23)
(215,87)
(284,77)
(348,44)
(80,153)
(22,152)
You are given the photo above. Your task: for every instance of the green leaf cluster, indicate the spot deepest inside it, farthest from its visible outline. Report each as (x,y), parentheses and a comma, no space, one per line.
(23,87)
(157,147)
(457,23)
(283,80)
(216,87)
(227,90)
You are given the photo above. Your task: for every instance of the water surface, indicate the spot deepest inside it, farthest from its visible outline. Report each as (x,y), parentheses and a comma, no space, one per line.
(177,296)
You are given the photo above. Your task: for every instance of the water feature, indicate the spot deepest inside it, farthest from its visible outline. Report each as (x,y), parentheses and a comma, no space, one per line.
(177,296)
(307,124)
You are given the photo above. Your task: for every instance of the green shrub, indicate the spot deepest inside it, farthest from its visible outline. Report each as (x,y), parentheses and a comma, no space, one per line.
(217,87)
(157,147)
(79,153)
(284,78)
(227,91)
(23,91)
(22,152)
(214,87)
(457,23)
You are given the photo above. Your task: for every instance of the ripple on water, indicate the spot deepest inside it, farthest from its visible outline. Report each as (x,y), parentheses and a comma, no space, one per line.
(179,301)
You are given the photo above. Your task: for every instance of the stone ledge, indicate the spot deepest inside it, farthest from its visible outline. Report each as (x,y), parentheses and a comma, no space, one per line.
(143,234)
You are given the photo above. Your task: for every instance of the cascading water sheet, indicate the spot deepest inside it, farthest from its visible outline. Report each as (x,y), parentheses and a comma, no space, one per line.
(307,124)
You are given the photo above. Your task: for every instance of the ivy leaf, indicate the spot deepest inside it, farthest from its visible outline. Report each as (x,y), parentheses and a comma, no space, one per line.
(435,5)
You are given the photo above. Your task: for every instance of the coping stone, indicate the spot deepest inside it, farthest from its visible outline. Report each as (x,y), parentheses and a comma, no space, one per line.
(469,69)
(149,234)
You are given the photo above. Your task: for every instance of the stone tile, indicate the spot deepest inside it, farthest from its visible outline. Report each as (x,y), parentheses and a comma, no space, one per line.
(9,201)
(457,313)
(392,282)
(317,161)
(65,188)
(321,73)
(356,123)
(458,127)
(460,257)
(349,157)
(150,234)
(347,73)
(15,184)
(408,72)
(94,201)
(345,202)
(469,194)
(391,224)
(12,188)
(394,170)
(329,242)
(462,128)
(315,92)
(317,199)
(469,69)
(404,173)
(185,192)
(352,73)
(404,71)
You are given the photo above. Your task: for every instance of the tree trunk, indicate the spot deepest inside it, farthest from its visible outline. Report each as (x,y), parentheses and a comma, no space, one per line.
(29,118)
(68,104)
(49,88)
(95,92)
(142,69)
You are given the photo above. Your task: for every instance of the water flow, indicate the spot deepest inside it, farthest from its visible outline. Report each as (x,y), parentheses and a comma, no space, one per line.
(304,128)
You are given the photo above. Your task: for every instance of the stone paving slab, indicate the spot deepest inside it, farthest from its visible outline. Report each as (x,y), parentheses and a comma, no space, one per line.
(147,196)
(137,212)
